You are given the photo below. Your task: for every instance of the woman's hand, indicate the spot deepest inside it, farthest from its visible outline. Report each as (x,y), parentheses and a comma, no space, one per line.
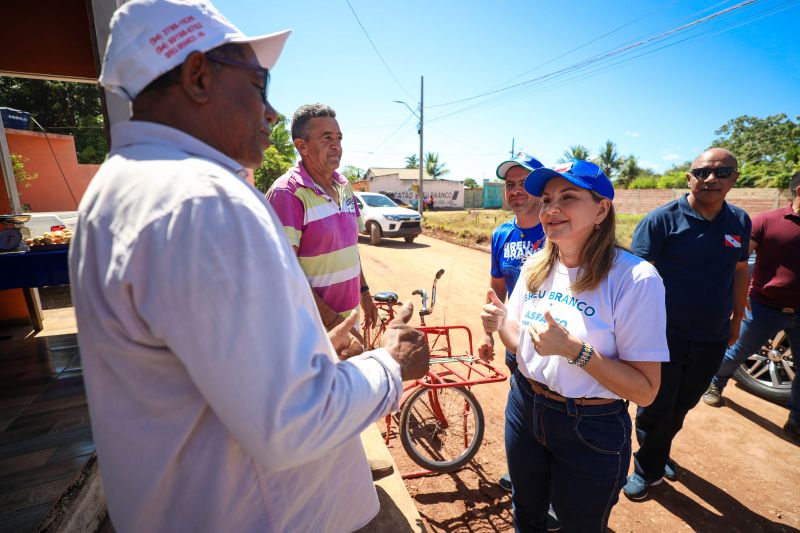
(494,313)
(553,339)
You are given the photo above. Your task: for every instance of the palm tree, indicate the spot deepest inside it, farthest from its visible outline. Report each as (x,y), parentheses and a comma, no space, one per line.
(578,151)
(609,159)
(412,161)
(433,167)
(629,171)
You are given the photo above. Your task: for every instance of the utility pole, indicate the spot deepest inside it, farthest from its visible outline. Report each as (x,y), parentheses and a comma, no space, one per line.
(420,197)
(421,201)
(512,147)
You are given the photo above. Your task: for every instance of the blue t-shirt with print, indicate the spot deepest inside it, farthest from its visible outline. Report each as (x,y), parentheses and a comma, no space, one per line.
(511,246)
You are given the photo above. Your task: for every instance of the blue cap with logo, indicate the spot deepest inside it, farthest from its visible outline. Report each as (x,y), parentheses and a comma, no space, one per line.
(582,173)
(522,159)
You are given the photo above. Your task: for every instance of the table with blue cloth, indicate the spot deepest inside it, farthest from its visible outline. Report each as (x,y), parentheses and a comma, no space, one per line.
(30,270)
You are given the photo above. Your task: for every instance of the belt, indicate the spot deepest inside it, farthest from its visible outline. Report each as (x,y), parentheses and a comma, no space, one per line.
(784,310)
(541,390)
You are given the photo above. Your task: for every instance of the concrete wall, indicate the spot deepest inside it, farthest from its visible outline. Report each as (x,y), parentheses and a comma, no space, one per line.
(62,181)
(753,201)
(493,194)
(446,194)
(473,198)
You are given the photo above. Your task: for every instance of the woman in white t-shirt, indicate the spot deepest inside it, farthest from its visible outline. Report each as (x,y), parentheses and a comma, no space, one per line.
(587,322)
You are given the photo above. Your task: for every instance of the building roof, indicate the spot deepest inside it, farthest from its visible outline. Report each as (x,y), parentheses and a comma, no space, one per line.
(403,173)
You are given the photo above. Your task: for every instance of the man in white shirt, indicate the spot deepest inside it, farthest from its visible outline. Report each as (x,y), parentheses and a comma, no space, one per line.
(217,400)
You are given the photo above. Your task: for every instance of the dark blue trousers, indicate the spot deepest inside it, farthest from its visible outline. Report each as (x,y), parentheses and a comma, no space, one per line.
(576,457)
(684,379)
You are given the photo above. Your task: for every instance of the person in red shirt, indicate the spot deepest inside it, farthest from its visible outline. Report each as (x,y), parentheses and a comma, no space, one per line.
(774,299)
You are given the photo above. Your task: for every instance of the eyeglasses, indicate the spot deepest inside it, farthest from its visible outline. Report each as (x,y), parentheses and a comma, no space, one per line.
(720,172)
(233,63)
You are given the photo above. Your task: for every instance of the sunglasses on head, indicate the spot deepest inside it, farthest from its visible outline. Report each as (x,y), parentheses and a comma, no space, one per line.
(720,172)
(233,63)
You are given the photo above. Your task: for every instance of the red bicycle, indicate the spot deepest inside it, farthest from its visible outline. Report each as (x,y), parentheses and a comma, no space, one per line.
(441,422)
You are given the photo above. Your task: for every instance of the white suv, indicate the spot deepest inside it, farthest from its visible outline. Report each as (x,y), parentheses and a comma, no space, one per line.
(384,218)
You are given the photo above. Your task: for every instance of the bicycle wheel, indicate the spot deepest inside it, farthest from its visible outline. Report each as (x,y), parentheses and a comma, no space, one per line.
(441,429)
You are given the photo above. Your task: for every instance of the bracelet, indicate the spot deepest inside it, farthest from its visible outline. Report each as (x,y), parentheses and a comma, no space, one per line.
(364,288)
(332,322)
(587,351)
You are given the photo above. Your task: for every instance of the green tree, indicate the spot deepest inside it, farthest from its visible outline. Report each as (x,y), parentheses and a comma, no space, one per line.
(412,161)
(20,174)
(278,158)
(433,166)
(609,159)
(61,107)
(768,149)
(628,171)
(353,173)
(470,183)
(575,152)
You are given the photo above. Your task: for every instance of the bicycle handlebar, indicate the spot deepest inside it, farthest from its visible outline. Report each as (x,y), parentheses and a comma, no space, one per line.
(425,310)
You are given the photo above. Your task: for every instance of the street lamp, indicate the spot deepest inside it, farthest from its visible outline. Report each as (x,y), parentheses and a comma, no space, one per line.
(420,198)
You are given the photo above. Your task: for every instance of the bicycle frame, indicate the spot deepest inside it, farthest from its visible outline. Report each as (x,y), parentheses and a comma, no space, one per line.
(448,370)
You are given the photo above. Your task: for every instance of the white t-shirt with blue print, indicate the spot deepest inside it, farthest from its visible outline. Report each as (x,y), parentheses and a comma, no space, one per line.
(623,318)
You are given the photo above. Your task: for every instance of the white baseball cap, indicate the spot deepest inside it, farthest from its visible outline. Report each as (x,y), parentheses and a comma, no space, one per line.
(151,37)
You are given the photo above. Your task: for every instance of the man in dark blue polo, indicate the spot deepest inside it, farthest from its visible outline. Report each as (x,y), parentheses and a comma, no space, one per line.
(699,244)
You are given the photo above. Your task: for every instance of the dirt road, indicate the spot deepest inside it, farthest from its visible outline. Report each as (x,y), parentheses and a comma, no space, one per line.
(736,470)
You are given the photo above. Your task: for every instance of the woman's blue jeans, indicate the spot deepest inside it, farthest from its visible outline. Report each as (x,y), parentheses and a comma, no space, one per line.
(576,457)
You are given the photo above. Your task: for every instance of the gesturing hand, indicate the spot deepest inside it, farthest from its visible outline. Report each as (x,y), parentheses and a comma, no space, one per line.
(340,335)
(486,349)
(494,313)
(407,345)
(552,338)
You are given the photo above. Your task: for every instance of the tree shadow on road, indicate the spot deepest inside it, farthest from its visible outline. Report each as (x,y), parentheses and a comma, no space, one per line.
(759,420)
(731,514)
(488,507)
(394,243)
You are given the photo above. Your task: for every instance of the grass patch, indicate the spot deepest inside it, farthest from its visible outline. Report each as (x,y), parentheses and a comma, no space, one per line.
(476,226)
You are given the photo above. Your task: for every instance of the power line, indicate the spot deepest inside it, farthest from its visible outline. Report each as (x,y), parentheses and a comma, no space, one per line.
(385,64)
(581,72)
(391,134)
(568,52)
(606,55)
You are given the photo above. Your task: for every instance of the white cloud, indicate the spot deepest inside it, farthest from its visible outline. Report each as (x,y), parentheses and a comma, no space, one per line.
(632,134)
(649,164)
(672,156)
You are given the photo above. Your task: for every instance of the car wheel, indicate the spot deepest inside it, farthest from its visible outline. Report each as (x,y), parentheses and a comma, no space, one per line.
(769,372)
(410,238)
(374,233)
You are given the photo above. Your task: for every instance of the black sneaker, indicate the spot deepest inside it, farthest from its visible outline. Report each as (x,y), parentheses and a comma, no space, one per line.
(553,524)
(713,396)
(792,429)
(670,470)
(505,482)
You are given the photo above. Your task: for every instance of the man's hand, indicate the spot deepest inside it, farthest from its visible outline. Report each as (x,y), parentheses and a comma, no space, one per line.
(407,345)
(733,336)
(370,311)
(494,313)
(340,336)
(486,349)
(553,339)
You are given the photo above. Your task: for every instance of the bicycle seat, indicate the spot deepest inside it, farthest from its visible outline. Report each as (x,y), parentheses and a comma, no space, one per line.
(386,297)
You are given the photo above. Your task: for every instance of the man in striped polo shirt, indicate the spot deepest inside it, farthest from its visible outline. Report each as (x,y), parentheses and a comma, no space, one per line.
(319,214)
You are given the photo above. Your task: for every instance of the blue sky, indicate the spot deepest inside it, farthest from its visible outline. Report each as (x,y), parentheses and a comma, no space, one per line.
(663,106)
